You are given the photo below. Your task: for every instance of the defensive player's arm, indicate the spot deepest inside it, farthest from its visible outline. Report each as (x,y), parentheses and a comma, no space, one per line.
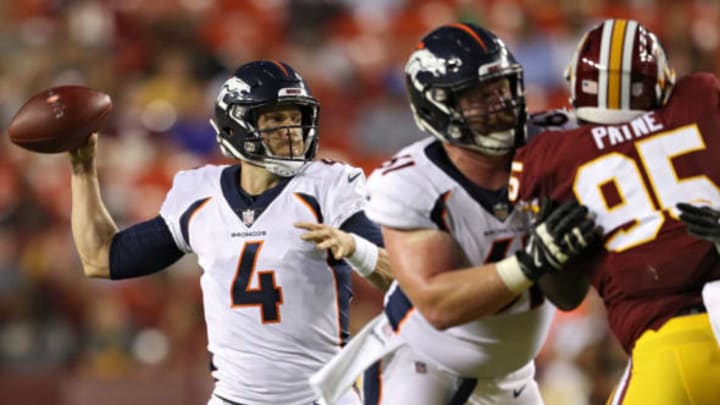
(566,290)
(142,249)
(702,222)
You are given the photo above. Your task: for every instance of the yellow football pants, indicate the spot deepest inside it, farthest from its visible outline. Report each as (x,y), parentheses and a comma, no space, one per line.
(676,365)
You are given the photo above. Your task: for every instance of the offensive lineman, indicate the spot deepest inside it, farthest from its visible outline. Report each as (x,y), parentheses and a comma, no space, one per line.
(463,317)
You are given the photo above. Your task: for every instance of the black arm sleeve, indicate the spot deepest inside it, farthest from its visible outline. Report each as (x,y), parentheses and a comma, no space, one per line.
(142,249)
(361,225)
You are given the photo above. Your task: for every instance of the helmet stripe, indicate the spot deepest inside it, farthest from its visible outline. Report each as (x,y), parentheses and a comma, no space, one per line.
(470,32)
(630,34)
(280,65)
(615,63)
(604,64)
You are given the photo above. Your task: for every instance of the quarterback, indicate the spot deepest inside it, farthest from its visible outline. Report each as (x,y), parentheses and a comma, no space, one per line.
(275,236)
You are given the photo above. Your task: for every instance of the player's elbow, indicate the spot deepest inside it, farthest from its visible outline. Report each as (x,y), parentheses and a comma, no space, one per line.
(437,321)
(436,316)
(92,271)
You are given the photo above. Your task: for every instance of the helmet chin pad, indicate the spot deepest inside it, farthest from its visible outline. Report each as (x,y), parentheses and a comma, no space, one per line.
(283,168)
(495,143)
(277,166)
(606,116)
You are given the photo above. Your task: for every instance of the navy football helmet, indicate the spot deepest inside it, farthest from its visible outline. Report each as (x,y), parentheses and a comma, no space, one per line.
(460,59)
(255,87)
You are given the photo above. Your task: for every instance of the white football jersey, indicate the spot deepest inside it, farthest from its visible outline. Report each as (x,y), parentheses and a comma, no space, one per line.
(421,188)
(276,308)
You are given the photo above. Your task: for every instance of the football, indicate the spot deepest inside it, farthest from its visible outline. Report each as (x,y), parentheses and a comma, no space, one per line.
(59,119)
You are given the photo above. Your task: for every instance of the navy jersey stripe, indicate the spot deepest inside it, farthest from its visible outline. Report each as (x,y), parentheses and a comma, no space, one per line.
(372,384)
(488,199)
(467,386)
(361,225)
(312,204)
(211,362)
(187,215)
(343,288)
(439,212)
(397,307)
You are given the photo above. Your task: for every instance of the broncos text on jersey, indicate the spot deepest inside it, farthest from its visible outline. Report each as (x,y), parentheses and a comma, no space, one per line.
(276,308)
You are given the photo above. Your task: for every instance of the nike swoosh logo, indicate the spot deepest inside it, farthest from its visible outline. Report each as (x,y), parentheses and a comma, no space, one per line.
(517,392)
(352,177)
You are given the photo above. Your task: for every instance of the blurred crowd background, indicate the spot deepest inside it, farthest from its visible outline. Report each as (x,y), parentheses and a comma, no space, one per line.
(67,340)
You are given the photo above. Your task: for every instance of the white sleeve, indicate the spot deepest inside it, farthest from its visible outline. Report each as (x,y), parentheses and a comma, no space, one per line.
(177,202)
(345,195)
(400,200)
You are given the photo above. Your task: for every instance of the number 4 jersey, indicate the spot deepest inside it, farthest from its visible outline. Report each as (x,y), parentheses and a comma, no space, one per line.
(276,308)
(631,176)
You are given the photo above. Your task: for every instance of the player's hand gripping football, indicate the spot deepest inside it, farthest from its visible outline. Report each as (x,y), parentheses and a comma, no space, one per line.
(559,234)
(702,222)
(340,243)
(83,157)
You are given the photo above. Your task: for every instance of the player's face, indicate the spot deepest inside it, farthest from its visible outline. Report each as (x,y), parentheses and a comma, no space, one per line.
(489,107)
(280,127)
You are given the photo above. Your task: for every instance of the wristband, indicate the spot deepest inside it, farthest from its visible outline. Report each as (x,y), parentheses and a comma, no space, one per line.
(512,275)
(365,257)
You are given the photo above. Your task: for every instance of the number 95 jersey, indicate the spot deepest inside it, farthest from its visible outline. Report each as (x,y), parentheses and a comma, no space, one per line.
(420,188)
(632,175)
(276,308)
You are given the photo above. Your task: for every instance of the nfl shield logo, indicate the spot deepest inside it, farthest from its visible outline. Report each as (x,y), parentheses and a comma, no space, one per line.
(501,211)
(248,217)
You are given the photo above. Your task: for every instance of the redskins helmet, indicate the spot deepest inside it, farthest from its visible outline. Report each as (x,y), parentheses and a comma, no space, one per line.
(455,59)
(618,72)
(253,87)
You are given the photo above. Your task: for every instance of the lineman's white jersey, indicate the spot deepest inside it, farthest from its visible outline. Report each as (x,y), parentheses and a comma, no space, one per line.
(420,188)
(276,308)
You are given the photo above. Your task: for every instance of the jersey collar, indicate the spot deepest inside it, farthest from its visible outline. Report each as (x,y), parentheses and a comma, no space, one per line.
(243,203)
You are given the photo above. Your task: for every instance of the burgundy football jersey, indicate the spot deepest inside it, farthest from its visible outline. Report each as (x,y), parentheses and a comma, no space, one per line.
(631,175)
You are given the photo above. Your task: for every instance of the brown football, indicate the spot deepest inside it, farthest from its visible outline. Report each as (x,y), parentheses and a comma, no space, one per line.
(59,119)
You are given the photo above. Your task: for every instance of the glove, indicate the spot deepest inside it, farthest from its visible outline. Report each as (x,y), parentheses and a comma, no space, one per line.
(701,222)
(558,235)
